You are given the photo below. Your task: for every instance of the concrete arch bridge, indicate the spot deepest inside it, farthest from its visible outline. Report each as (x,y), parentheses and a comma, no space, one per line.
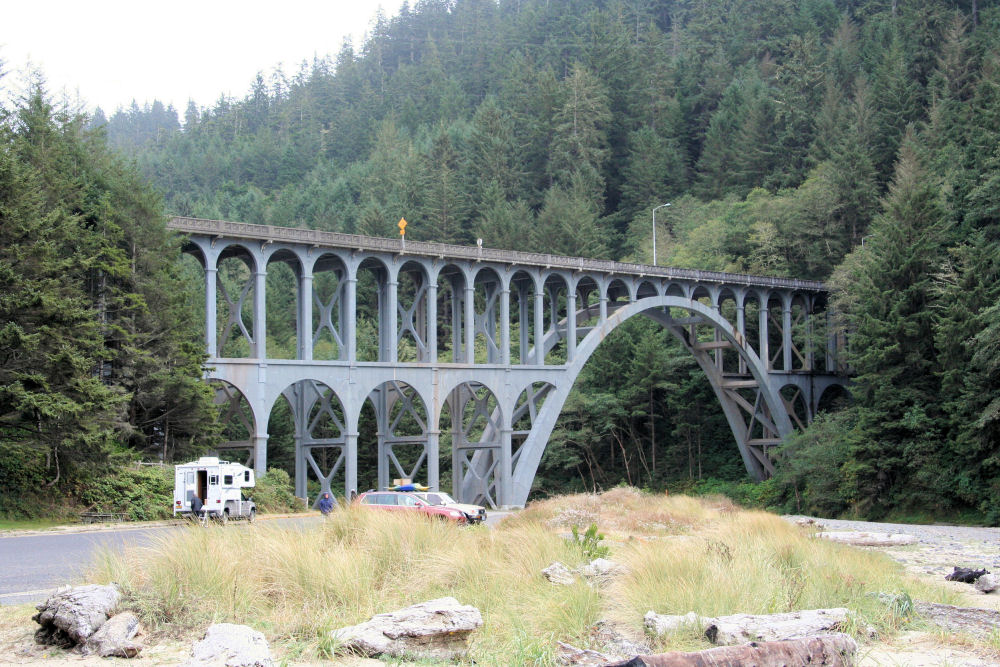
(486,343)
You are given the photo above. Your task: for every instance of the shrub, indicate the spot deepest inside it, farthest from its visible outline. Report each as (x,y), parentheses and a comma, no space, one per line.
(142,493)
(274,493)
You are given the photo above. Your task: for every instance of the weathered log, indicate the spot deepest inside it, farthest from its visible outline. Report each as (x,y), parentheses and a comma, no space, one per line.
(115,637)
(78,612)
(740,628)
(836,650)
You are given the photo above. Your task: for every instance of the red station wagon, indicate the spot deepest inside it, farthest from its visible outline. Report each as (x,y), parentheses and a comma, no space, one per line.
(399,501)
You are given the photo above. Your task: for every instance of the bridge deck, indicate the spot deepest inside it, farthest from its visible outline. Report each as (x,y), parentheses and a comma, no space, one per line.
(267,233)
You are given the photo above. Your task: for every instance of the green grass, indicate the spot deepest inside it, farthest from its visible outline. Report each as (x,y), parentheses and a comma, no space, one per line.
(31,524)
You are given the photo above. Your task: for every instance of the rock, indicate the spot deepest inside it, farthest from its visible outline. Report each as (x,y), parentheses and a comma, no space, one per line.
(114,638)
(612,641)
(836,650)
(77,611)
(557,573)
(979,622)
(866,539)
(435,630)
(987,583)
(661,624)
(965,575)
(229,645)
(601,568)
(582,657)
(740,628)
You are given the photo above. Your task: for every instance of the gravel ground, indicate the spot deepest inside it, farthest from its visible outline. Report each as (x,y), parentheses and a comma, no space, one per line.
(939,548)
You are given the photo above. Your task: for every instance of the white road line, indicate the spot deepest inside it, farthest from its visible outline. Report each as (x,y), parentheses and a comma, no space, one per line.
(36,592)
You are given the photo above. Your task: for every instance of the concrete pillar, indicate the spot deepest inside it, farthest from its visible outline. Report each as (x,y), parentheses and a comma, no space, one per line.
(741,329)
(524,329)
(350,463)
(570,326)
(260,314)
(260,453)
(810,352)
(786,337)
(349,326)
(432,323)
(434,459)
(457,356)
(211,309)
(470,324)
(539,328)
(392,322)
(505,326)
(305,328)
(604,307)
(505,472)
(299,418)
(765,353)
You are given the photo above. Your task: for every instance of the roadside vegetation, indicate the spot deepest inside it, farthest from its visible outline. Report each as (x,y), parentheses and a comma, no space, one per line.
(681,554)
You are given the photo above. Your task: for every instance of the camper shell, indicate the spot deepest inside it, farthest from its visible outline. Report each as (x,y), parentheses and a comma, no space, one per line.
(220,486)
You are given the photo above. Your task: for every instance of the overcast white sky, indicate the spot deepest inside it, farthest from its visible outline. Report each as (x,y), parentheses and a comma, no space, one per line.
(110,52)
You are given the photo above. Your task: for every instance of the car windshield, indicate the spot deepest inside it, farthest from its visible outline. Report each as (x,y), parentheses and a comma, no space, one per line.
(437,498)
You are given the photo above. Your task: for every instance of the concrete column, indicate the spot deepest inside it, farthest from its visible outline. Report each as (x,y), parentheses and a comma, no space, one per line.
(260,314)
(349,327)
(524,329)
(505,472)
(456,325)
(434,459)
(741,329)
(765,353)
(432,323)
(350,463)
(392,322)
(604,307)
(539,328)
(298,416)
(211,311)
(505,326)
(470,324)
(260,453)
(305,316)
(570,326)
(786,337)
(810,352)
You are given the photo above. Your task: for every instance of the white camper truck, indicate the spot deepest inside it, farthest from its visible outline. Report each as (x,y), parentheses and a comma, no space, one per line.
(210,488)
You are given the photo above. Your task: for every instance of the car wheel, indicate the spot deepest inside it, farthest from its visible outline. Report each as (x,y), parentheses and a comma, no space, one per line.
(253,514)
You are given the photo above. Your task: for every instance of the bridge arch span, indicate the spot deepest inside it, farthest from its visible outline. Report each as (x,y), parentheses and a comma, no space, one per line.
(768,408)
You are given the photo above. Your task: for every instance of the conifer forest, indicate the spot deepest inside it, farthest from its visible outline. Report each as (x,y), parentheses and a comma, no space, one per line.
(855,142)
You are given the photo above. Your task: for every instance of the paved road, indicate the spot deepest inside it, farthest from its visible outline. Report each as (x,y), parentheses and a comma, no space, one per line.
(31,566)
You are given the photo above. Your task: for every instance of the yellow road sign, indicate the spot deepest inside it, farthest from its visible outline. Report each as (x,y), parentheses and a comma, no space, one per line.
(402,226)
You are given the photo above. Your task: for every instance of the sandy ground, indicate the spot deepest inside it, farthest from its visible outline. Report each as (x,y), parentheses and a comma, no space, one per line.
(938,550)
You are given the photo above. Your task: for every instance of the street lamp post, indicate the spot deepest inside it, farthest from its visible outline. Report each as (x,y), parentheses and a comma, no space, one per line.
(654,230)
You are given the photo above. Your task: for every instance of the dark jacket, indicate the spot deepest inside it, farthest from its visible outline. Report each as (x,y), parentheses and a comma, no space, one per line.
(326,504)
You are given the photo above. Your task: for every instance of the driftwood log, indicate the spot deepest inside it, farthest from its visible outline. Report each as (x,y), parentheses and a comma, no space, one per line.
(836,650)
(740,628)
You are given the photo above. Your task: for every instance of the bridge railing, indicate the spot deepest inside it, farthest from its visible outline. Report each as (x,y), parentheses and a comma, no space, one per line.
(267,233)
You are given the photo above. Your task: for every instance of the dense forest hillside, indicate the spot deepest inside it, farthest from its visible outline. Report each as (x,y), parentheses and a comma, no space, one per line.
(848,141)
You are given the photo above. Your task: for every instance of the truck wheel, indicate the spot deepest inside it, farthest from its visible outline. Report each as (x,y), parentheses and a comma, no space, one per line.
(224,517)
(253,514)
